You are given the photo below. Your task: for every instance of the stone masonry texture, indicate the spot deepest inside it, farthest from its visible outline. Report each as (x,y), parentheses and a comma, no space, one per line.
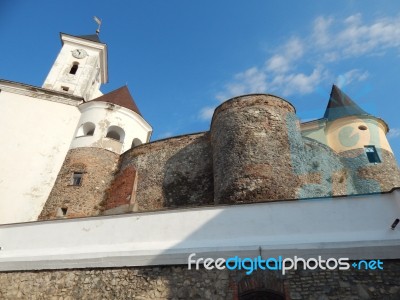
(98,167)
(120,192)
(179,283)
(249,136)
(372,178)
(253,152)
(172,173)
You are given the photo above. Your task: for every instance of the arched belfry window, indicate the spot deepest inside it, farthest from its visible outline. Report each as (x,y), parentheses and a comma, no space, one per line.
(136,142)
(74,68)
(86,129)
(116,133)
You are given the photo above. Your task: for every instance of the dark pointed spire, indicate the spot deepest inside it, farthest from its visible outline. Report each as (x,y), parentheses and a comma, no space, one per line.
(340,105)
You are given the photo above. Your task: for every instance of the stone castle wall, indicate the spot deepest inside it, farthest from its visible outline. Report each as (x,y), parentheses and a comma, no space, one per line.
(179,283)
(320,170)
(122,191)
(253,152)
(172,172)
(98,167)
(372,178)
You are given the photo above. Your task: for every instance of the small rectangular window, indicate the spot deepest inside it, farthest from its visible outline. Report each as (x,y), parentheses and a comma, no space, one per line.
(74,68)
(77,178)
(62,212)
(65,88)
(372,154)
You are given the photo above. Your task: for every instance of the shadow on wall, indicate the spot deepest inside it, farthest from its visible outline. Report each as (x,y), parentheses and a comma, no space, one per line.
(188,177)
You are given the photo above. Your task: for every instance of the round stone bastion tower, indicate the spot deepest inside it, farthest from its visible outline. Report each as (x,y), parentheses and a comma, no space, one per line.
(251,149)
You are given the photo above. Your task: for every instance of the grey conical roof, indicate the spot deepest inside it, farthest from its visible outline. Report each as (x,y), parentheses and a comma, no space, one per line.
(340,105)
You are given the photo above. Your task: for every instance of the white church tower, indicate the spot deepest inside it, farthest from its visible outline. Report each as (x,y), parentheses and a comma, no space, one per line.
(80,67)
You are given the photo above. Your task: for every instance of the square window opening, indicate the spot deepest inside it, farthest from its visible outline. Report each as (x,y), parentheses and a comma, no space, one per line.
(77,178)
(62,212)
(372,154)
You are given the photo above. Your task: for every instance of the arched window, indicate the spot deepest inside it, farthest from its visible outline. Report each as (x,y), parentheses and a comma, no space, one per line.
(86,129)
(116,133)
(74,68)
(136,142)
(113,135)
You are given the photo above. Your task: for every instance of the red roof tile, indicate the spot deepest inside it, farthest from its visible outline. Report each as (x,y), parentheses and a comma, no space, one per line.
(121,97)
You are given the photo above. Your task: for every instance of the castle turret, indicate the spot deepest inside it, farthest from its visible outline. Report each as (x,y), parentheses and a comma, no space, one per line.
(349,127)
(251,149)
(360,138)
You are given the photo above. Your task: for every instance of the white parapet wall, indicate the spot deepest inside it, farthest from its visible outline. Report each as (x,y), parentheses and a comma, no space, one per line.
(353,227)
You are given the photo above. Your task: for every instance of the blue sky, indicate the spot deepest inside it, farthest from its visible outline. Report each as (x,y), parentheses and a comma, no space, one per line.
(181,59)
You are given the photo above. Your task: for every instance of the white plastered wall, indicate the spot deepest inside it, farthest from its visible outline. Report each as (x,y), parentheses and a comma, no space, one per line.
(355,227)
(345,134)
(348,133)
(35,138)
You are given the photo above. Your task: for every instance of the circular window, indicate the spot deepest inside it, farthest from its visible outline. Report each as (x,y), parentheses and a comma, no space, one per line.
(362,127)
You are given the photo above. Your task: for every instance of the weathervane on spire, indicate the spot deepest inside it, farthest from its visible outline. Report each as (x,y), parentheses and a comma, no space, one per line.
(98,21)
